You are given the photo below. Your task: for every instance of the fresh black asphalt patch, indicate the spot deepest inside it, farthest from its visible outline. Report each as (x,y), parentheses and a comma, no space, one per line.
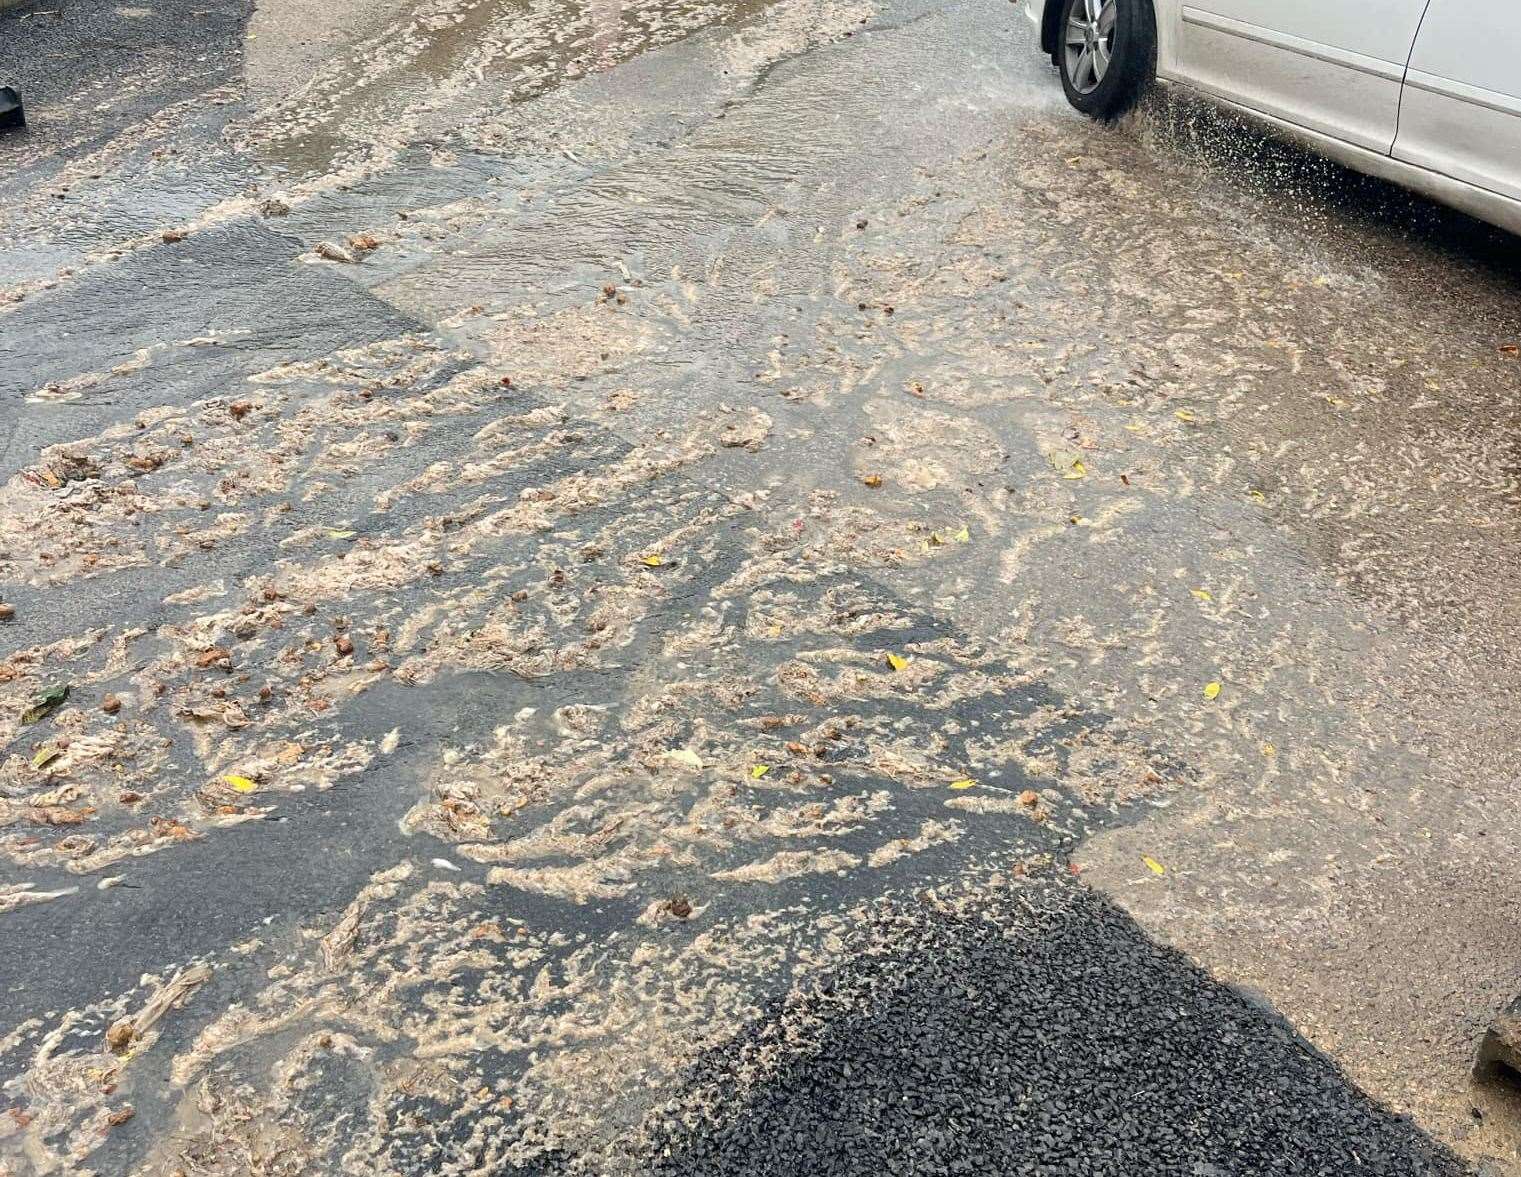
(1032,1030)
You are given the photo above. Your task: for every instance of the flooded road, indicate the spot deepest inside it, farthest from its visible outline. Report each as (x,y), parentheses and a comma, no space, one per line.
(612,563)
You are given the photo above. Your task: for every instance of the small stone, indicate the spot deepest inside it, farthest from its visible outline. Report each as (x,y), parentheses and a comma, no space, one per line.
(7,611)
(335,253)
(120,1034)
(344,645)
(170,236)
(110,704)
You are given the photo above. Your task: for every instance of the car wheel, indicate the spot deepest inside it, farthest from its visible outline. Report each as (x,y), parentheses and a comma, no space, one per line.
(1106,51)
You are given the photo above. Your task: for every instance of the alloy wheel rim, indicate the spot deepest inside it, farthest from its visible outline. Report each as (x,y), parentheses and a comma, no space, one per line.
(1088,44)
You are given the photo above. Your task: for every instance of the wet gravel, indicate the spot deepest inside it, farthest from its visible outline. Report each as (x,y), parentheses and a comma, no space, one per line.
(1033,1030)
(90,69)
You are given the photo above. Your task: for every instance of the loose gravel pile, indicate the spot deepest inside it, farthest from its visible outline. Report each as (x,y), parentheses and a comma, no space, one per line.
(1031,1031)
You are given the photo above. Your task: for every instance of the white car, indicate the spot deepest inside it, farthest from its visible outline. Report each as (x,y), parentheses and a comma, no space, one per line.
(1426,93)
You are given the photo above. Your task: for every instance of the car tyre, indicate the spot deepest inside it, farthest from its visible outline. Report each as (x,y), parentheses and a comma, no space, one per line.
(1106,51)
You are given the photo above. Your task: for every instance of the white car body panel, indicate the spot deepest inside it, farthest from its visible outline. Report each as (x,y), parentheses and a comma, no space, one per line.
(1462,108)
(1401,89)
(1303,60)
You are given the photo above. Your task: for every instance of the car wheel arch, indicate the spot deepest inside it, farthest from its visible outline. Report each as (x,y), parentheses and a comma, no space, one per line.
(1050,25)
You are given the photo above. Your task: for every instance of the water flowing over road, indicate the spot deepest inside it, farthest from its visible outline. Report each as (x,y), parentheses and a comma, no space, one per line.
(689,587)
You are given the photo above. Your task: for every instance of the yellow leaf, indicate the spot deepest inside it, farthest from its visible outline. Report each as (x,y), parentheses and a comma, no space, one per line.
(333,534)
(1153,865)
(1068,464)
(873,480)
(963,536)
(1184,414)
(241,783)
(45,756)
(684,756)
(897,661)
(1211,690)
(962,784)
(1256,496)
(1202,594)
(1268,750)
(934,540)
(759,770)
(1336,402)
(653,560)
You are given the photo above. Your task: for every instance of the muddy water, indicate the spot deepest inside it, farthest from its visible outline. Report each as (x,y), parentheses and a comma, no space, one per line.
(432,67)
(801,463)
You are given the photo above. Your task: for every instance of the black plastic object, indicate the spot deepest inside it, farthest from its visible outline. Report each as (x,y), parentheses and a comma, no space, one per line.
(12,116)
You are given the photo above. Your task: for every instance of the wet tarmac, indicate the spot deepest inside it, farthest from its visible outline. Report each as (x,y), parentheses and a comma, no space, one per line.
(560,523)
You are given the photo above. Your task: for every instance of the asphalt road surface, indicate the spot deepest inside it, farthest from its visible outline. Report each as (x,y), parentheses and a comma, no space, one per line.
(687,587)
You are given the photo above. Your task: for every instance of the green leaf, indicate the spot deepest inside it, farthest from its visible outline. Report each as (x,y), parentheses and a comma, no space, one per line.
(46,703)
